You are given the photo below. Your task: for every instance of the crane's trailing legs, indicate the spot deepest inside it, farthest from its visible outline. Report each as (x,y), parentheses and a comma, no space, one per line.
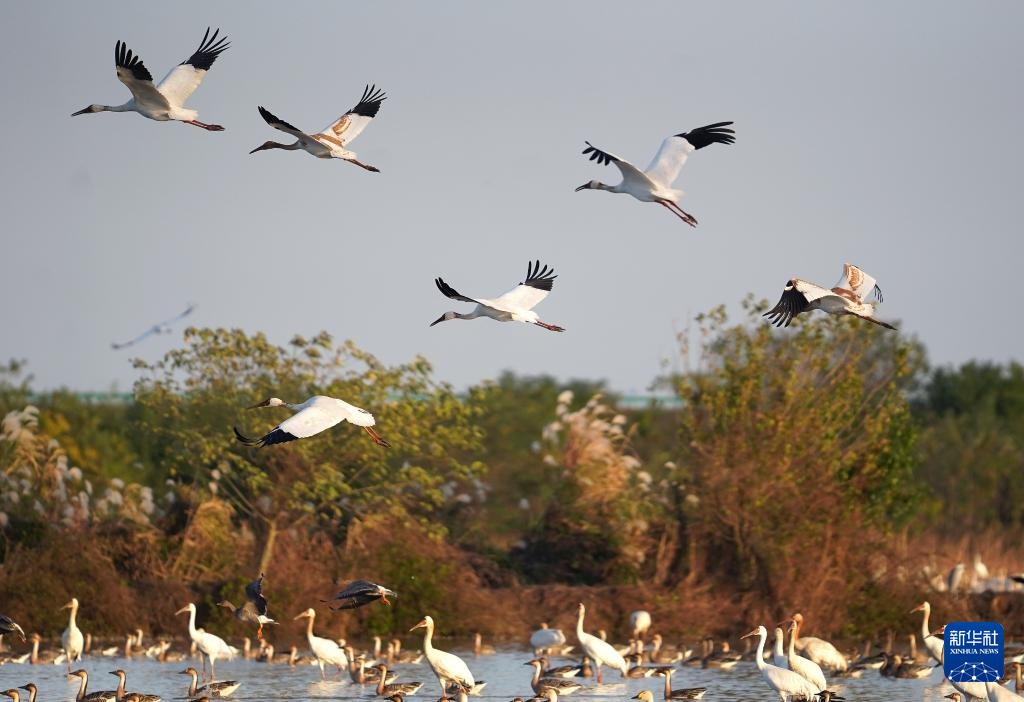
(372,169)
(207,127)
(549,327)
(679,212)
(380,441)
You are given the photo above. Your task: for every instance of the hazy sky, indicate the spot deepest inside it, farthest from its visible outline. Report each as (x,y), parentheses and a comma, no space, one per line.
(887,134)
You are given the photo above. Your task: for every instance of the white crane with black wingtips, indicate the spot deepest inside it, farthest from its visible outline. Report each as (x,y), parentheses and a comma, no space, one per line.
(655,183)
(164,102)
(514,306)
(333,141)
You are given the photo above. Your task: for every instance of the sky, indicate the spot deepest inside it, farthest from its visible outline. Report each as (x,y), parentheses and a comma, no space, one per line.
(885,134)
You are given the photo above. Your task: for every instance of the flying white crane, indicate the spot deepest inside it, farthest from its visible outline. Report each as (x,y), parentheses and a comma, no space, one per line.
(166,101)
(787,684)
(331,142)
(163,327)
(936,645)
(312,417)
(448,667)
(210,645)
(599,651)
(847,297)
(325,651)
(818,650)
(72,640)
(514,306)
(655,183)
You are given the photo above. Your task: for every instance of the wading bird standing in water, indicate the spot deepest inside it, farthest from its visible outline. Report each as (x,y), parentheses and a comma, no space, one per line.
(312,417)
(514,306)
(655,183)
(159,328)
(166,101)
(331,142)
(254,611)
(847,297)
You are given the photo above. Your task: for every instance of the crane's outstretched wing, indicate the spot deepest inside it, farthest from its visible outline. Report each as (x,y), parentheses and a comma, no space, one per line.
(133,73)
(254,594)
(301,425)
(351,124)
(858,282)
(159,328)
(628,170)
(183,79)
(531,291)
(796,297)
(450,292)
(361,592)
(281,125)
(665,167)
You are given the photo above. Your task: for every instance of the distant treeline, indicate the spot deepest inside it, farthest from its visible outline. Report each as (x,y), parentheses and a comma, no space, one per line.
(826,467)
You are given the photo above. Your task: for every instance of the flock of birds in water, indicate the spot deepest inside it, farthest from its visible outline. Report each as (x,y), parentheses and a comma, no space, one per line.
(797,668)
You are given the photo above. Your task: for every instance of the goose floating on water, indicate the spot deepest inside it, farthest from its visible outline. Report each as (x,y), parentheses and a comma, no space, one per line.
(221,688)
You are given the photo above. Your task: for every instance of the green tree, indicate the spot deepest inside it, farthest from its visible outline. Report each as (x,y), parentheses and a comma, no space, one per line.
(189,400)
(796,454)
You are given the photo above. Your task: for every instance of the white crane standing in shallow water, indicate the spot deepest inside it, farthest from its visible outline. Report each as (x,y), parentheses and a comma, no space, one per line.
(312,417)
(847,297)
(166,101)
(514,306)
(331,142)
(211,647)
(448,667)
(325,651)
(787,684)
(599,651)
(655,183)
(72,640)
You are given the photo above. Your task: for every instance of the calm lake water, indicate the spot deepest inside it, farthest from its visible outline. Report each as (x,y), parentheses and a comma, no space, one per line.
(504,672)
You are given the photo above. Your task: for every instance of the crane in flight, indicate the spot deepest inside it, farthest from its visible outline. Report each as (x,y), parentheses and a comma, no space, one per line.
(163,327)
(847,297)
(164,102)
(514,306)
(312,417)
(655,183)
(336,136)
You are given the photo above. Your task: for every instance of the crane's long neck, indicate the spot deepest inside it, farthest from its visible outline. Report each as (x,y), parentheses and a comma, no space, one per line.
(74,615)
(309,629)
(579,625)
(924,621)
(428,636)
(778,643)
(759,659)
(796,631)
(192,622)
(791,653)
